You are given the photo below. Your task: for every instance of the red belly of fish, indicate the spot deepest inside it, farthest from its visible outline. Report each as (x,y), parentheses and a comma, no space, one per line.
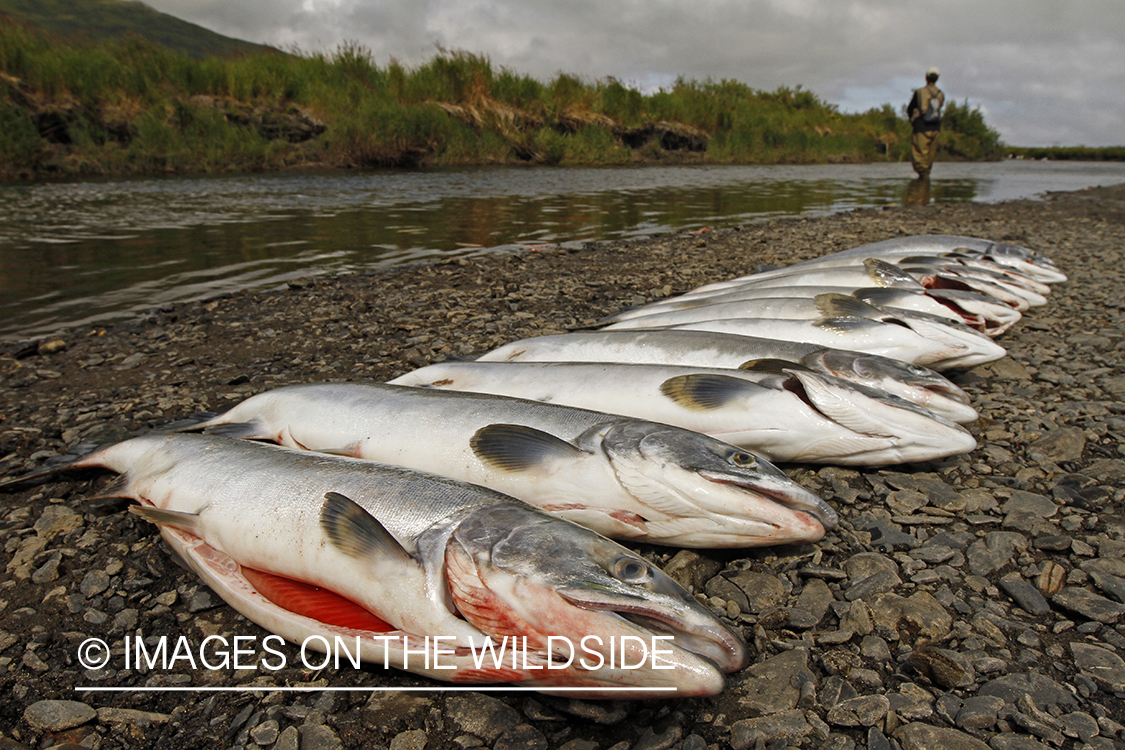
(314,602)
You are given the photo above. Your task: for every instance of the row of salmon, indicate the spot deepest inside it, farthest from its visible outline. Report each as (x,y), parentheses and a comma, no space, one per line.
(308,543)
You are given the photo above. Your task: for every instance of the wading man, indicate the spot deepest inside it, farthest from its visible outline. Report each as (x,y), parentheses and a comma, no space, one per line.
(924,112)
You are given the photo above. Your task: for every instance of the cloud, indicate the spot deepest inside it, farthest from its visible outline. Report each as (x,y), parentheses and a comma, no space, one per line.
(1043,72)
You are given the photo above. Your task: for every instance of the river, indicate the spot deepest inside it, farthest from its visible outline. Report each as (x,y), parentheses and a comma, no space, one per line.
(81,254)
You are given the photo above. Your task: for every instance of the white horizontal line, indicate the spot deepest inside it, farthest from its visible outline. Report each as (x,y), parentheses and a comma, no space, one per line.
(449,689)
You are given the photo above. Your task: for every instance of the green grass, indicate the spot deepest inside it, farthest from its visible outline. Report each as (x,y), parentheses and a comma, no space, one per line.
(1061,153)
(125,105)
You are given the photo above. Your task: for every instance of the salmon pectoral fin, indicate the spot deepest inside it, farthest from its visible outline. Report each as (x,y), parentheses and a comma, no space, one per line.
(314,602)
(514,447)
(357,533)
(188,522)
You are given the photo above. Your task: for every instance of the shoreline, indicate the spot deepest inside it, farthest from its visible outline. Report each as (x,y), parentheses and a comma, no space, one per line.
(908,621)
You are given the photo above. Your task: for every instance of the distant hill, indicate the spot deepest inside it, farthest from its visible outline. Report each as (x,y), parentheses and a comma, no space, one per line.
(108,19)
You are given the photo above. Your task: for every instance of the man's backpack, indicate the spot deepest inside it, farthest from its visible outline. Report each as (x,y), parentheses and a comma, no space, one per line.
(932,112)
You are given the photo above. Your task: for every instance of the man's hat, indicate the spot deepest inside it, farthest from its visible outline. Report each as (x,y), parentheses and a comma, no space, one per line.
(933,72)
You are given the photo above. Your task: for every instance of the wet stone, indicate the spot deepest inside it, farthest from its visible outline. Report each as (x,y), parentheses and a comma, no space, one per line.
(57,715)
(1105,667)
(877,583)
(788,726)
(94,583)
(1112,585)
(691,570)
(1114,566)
(48,571)
(725,589)
(482,715)
(875,648)
(864,711)
(265,733)
(1080,725)
(130,716)
(521,737)
(383,708)
(770,686)
(1056,543)
(1057,446)
(856,618)
(652,740)
(918,736)
(811,606)
(835,690)
(57,520)
(414,739)
(876,740)
(943,667)
(906,501)
(1026,511)
(884,535)
(864,564)
(289,739)
(933,554)
(319,737)
(994,552)
(979,712)
(1089,605)
(200,601)
(761,590)
(920,613)
(1043,691)
(1024,594)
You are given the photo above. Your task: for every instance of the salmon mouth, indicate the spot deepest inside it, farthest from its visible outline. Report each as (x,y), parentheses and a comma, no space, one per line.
(815,509)
(718,645)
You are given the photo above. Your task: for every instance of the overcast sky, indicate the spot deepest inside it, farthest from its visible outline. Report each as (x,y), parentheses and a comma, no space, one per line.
(1043,72)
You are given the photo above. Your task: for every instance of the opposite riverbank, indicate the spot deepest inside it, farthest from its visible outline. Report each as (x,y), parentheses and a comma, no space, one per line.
(970,603)
(72,107)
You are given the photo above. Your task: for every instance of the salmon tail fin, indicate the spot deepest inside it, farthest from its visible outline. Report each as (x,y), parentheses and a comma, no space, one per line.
(75,458)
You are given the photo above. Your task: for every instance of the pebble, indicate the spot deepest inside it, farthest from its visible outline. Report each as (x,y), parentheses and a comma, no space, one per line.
(57,715)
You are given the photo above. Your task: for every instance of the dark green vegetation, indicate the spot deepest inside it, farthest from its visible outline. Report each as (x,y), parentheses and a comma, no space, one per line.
(1072,153)
(124,105)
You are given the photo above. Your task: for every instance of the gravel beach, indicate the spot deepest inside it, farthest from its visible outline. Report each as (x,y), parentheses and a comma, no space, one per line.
(974,602)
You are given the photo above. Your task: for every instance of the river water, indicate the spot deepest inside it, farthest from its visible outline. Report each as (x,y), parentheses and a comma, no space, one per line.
(87,253)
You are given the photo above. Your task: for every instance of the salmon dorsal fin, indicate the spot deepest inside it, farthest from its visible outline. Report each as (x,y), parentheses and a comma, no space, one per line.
(515,447)
(706,391)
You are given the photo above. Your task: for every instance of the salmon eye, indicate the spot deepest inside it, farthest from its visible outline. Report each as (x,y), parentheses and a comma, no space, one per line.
(631,570)
(741,458)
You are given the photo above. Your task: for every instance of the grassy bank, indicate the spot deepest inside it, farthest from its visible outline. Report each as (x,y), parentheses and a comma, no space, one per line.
(1069,153)
(129,106)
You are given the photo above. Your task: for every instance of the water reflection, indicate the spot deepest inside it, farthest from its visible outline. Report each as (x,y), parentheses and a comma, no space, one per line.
(918,192)
(82,253)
